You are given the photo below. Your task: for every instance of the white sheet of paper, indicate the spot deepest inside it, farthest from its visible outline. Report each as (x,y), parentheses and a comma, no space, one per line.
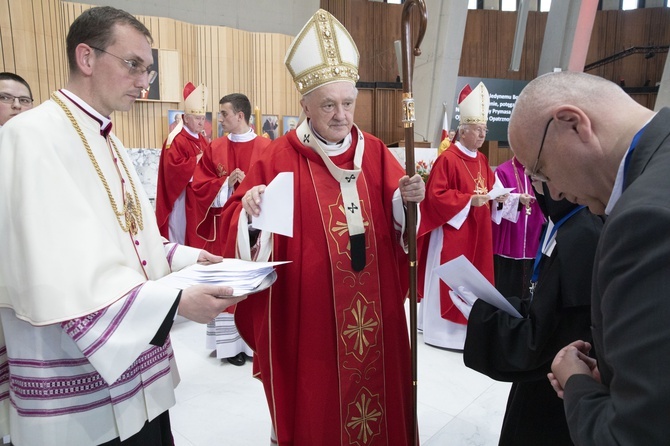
(277,206)
(498,191)
(243,276)
(460,272)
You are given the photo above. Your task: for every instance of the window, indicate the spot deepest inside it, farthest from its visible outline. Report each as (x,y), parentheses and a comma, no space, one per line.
(472,4)
(629,4)
(545,5)
(508,5)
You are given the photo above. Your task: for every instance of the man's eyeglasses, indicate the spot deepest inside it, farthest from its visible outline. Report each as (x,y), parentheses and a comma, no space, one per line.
(134,67)
(7,98)
(534,174)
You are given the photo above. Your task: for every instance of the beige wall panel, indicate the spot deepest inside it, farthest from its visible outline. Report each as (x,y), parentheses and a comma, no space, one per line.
(24,40)
(6,47)
(170,84)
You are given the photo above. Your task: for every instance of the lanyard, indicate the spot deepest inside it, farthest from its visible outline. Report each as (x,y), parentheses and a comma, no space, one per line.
(545,242)
(626,163)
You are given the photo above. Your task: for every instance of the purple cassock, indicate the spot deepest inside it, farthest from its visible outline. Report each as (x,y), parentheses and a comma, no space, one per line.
(517,236)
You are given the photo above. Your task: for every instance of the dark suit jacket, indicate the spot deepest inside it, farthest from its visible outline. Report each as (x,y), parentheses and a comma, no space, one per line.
(631,309)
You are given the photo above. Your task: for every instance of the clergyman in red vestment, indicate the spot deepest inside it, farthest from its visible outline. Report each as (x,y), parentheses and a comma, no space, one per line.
(330,336)
(222,167)
(176,210)
(456,220)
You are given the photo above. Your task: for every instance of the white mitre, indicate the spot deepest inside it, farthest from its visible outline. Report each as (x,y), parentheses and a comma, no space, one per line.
(321,53)
(473,105)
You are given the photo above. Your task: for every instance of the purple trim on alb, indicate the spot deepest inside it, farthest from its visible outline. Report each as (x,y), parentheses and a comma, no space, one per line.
(77,328)
(142,385)
(61,411)
(4,373)
(48,364)
(114,324)
(171,254)
(158,355)
(58,387)
(146,360)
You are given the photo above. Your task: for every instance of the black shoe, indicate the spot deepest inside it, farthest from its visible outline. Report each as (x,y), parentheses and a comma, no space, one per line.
(249,358)
(238,359)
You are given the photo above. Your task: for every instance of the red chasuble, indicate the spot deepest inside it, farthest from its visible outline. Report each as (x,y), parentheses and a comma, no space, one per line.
(451,184)
(217,162)
(175,170)
(331,344)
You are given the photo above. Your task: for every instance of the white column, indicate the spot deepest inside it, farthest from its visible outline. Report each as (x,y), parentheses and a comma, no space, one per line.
(567,35)
(436,70)
(663,97)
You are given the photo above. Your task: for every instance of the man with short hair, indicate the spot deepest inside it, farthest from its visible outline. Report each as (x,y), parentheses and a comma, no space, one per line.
(222,168)
(456,220)
(594,145)
(176,206)
(86,349)
(15,96)
(330,336)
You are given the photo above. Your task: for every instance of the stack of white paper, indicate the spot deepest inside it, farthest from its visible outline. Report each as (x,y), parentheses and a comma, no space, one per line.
(243,276)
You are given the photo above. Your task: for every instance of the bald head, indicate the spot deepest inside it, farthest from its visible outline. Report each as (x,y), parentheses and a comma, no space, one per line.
(589,124)
(593,95)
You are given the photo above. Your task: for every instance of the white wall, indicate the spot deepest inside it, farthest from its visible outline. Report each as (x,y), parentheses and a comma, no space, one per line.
(274,16)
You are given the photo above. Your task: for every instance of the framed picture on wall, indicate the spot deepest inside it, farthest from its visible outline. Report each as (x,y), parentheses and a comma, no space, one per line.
(271,125)
(252,123)
(289,123)
(208,126)
(154,90)
(174,117)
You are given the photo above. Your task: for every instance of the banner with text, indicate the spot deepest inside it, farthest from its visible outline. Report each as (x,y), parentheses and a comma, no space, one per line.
(503,94)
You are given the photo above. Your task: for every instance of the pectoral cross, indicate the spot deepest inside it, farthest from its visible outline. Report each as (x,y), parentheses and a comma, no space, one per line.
(130,214)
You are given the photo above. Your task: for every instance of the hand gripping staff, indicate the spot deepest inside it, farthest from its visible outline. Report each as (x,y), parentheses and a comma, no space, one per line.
(408,119)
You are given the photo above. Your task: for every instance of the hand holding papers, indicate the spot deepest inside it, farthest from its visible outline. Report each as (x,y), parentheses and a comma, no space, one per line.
(499,191)
(242,276)
(277,206)
(464,300)
(461,275)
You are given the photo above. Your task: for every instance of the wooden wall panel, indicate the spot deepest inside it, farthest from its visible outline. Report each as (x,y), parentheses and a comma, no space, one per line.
(365,110)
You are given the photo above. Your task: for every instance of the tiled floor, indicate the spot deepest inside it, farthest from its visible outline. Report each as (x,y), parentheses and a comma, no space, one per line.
(221,404)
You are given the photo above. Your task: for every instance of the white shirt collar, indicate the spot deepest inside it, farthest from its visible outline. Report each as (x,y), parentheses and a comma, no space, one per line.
(242,137)
(617,190)
(104,121)
(465,150)
(333,148)
(193,134)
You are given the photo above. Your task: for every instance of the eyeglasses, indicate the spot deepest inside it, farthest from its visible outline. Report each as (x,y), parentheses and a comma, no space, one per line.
(534,174)
(134,67)
(7,98)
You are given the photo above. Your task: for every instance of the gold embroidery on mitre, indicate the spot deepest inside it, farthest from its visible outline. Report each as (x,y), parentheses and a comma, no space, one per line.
(328,40)
(360,327)
(364,418)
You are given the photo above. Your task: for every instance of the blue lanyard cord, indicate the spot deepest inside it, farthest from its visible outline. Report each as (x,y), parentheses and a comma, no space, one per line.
(629,154)
(538,256)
